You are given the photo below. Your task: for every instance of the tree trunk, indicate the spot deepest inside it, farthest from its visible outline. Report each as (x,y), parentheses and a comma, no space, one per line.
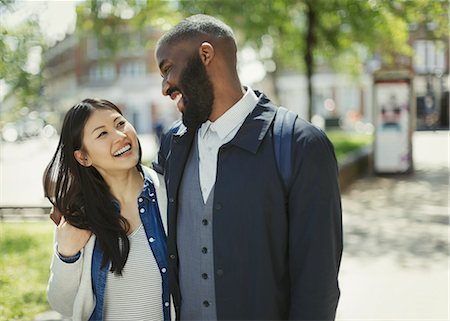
(273,76)
(309,58)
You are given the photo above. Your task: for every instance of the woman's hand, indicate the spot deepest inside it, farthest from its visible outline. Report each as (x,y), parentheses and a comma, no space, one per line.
(71,239)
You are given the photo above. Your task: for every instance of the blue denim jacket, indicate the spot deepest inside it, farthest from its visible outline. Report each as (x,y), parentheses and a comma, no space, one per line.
(154,230)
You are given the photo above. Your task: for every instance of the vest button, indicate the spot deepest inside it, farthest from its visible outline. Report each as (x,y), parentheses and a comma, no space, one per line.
(205,221)
(205,303)
(171,200)
(204,250)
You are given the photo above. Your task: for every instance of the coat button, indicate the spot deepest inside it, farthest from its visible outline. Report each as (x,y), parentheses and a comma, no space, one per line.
(219,272)
(218,206)
(171,200)
(172,256)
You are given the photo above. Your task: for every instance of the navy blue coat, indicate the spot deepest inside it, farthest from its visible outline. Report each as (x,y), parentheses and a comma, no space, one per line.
(276,253)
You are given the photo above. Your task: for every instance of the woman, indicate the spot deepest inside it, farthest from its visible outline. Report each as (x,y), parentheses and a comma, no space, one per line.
(110,245)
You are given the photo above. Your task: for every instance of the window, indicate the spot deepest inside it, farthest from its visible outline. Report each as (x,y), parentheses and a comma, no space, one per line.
(429,56)
(133,69)
(102,72)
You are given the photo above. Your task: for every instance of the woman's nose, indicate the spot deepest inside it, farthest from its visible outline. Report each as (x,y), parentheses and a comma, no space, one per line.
(119,134)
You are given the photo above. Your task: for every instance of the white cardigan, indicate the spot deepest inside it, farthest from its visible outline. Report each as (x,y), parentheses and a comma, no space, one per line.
(69,290)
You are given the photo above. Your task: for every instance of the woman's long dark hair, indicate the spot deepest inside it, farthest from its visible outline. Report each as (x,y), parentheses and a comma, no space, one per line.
(81,194)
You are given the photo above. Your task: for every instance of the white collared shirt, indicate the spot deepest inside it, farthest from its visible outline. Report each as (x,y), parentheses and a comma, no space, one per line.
(212,135)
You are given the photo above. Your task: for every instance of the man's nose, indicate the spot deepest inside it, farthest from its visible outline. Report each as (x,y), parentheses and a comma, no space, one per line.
(165,88)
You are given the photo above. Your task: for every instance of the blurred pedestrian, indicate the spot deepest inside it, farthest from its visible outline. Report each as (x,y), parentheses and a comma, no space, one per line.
(241,245)
(109,259)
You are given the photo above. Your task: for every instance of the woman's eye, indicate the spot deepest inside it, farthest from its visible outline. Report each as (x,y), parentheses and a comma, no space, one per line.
(102,134)
(121,123)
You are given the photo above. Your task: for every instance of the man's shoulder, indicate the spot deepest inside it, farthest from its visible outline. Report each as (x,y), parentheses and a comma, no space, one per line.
(307,129)
(303,129)
(310,140)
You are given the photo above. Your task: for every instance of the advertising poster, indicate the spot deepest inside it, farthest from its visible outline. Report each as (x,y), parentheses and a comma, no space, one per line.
(392,135)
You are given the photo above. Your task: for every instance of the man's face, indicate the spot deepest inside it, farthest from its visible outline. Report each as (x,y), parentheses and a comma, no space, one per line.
(186,81)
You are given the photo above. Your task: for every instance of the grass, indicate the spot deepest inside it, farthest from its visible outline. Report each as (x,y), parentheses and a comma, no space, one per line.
(346,142)
(26,250)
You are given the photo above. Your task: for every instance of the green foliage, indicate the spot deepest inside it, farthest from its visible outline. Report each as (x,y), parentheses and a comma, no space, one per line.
(16,44)
(341,34)
(26,253)
(5,3)
(288,34)
(346,142)
(343,27)
(111,22)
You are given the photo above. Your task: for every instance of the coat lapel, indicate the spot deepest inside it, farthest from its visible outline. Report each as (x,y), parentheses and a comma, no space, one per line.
(256,125)
(181,146)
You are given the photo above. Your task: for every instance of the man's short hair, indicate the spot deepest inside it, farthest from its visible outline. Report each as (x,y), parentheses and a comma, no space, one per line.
(196,26)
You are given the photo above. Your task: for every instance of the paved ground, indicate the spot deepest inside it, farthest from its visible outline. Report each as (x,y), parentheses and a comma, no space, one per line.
(395,264)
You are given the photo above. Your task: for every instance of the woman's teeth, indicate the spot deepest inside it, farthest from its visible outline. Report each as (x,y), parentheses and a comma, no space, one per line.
(122,150)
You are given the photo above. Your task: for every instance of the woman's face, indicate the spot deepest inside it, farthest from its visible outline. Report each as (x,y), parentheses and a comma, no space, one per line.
(109,142)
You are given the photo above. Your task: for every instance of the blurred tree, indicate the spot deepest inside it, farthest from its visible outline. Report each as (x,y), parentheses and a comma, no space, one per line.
(299,34)
(112,21)
(20,48)
(287,34)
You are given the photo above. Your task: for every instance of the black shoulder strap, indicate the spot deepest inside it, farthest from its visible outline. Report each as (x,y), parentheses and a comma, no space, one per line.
(283,129)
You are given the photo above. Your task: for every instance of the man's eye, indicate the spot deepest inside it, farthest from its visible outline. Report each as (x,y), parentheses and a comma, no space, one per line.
(165,71)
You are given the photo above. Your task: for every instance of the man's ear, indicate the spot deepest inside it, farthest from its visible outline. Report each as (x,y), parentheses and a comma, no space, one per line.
(206,52)
(82,158)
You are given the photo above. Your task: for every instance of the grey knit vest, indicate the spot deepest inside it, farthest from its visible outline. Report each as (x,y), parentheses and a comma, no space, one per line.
(195,245)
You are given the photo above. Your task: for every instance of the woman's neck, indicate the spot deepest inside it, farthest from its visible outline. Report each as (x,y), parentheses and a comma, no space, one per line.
(125,186)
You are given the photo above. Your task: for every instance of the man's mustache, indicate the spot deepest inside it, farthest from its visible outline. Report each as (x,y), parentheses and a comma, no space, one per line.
(171,90)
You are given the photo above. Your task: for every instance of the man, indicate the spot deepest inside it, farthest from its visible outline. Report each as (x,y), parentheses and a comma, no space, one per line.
(241,246)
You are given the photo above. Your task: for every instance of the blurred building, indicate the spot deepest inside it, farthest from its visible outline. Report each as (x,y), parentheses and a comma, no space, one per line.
(431,68)
(346,101)
(77,68)
(340,100)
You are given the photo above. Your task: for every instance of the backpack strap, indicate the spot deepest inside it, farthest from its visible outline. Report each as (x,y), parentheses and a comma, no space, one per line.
(283,129)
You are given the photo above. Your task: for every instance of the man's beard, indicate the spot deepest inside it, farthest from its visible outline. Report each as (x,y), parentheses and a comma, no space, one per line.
(197,90)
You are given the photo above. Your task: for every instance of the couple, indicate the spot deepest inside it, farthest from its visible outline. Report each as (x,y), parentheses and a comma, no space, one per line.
(241,245)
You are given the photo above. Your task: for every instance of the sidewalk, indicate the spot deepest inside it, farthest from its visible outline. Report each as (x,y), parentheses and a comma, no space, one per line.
(395,262)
